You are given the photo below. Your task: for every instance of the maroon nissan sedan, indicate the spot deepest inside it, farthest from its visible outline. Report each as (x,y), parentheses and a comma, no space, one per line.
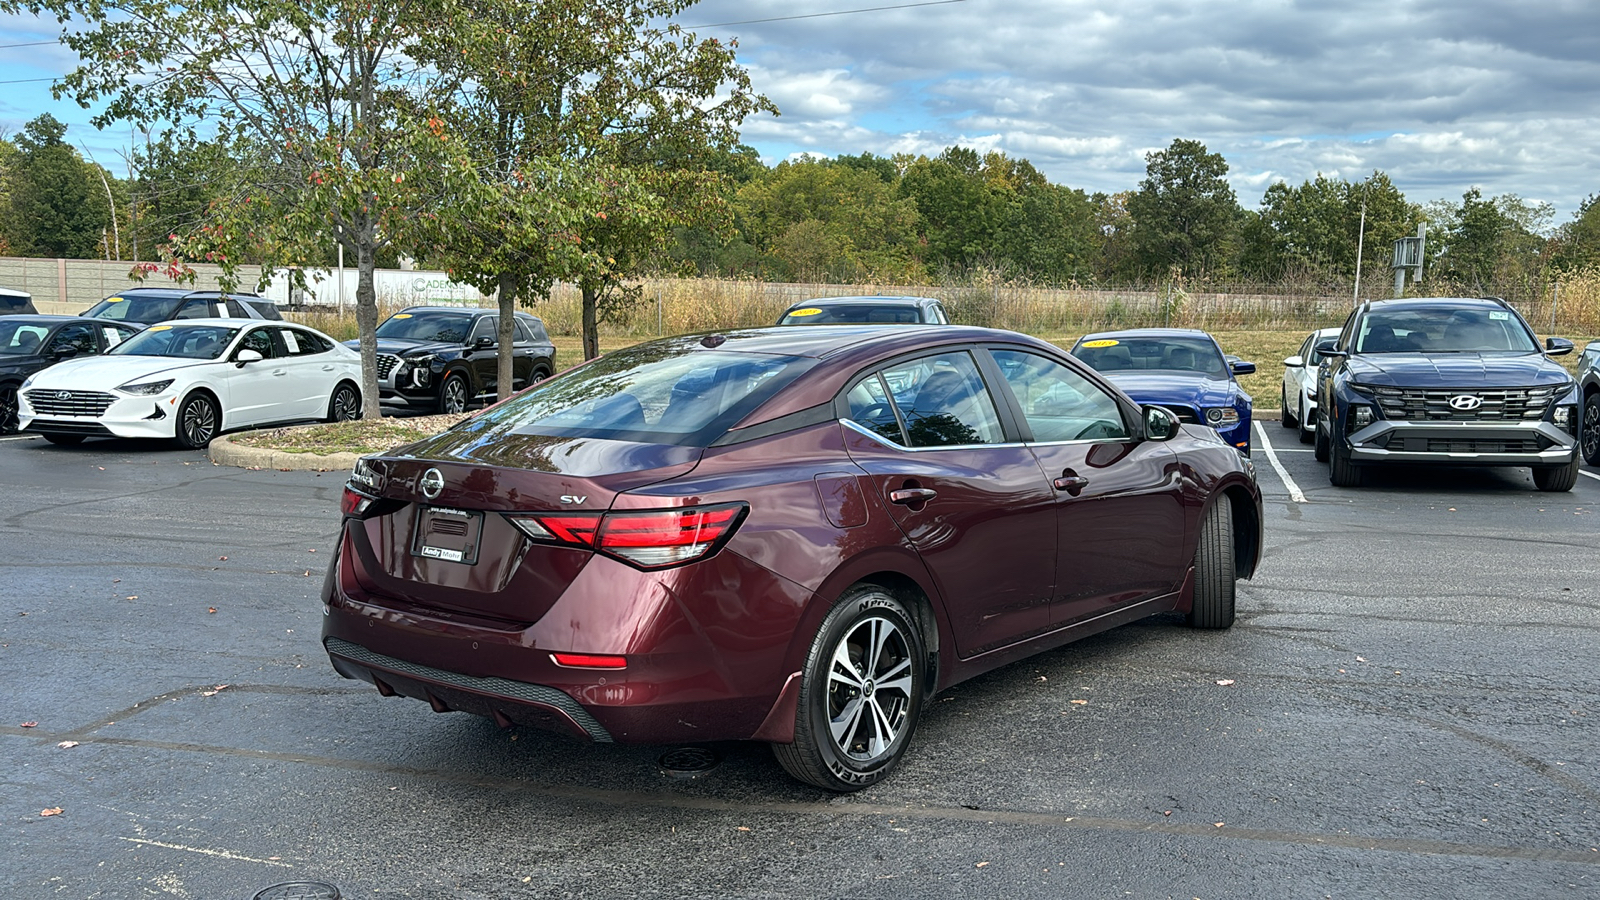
(791,535)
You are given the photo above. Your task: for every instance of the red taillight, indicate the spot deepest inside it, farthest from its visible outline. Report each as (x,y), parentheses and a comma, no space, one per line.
(353,503)
(649,539)
(589,661)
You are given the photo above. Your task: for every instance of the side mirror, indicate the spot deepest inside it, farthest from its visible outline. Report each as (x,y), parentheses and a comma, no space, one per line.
(1294,362)
(1557,346)
(68,352)
(1329,347)
(483,343)
(1243,368)
(1159,424)
(247,356)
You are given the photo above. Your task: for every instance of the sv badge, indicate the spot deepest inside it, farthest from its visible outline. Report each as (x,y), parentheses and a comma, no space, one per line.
(574,499)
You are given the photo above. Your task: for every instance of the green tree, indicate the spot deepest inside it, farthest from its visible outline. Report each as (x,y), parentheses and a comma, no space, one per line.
(321,101)
(1489,245)
(1185,216)
(1050,232)
(1579,240)
(623,120)
(823,220)
(57,205)
(962,214)
(1315,228)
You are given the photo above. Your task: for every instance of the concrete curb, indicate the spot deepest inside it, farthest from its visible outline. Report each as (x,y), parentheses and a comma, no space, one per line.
(224,452)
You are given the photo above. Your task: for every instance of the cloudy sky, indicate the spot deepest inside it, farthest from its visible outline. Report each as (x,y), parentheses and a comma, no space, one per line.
(1442,95)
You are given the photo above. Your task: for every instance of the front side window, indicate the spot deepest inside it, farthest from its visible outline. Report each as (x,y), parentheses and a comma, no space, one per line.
(941,401)
(79,338)
(1058,403)
(259,340)
(487,327)
(181,341)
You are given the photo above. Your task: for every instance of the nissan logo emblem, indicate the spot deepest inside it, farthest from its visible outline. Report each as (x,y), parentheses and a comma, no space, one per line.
(432,483)
(1465,402)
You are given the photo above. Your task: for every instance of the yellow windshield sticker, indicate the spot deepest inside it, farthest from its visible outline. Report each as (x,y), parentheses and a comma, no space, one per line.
(401,316)
(159,328)
(1099,344)
(113,299)
(809,311)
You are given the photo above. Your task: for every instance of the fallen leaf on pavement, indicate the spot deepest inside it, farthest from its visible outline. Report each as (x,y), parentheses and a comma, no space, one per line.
(980,865)
(67,745)
(1224,681)
(1361,659)
(1220,824)
(30,724)
(211,609)
(222,559)
(133,597)
(1080,703)
(52,811)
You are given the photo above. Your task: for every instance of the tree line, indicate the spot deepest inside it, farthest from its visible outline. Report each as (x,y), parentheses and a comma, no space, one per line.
(514,143)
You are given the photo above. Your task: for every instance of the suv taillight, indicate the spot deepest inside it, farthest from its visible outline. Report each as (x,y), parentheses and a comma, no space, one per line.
(648,539)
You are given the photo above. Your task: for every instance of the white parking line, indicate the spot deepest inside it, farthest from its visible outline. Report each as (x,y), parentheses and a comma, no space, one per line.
(1272,456)
(19,437)
(1589,475)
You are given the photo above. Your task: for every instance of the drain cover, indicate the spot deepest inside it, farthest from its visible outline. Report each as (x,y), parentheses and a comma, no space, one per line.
(298,890)
(688,762)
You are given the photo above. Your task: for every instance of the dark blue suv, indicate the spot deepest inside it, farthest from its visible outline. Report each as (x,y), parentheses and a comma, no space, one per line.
(1446,381)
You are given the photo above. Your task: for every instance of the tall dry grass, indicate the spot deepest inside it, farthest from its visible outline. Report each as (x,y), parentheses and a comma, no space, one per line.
(679,305)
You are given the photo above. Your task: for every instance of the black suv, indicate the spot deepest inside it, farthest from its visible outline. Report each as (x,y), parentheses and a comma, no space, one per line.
(866,311)
(444,358)
(1446,381)
(29,344)
(148,306)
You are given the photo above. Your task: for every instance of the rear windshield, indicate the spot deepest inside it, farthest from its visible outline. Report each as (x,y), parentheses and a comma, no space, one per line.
(15,303)
(135,309)
(665,392)
(182,341)
(1180,355)
(1444,330)
(862,314)
(444,327)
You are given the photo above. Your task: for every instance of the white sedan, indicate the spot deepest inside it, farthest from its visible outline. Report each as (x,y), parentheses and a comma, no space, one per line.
(192,380)
(1299,392)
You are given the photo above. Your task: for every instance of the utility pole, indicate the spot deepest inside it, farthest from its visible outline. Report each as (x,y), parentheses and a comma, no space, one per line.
(1361,238)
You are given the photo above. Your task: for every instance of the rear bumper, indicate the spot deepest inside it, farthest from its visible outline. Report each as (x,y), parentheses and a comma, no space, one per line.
(705,646)
(1537,444)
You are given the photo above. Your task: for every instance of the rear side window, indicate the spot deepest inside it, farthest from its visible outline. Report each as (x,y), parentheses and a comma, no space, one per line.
(662,393)
(195,309)
(941,401)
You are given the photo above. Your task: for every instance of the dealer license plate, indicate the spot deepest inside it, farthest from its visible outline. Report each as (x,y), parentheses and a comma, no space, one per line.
(448,534)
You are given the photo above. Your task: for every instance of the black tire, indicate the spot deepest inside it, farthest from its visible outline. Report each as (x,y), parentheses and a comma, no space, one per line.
(845,681)
(1305,424)
(345,404)
(1341,470)
(539,374)
(64,440)
(8,410)
(1214,573)
(1589,434)
(1556,480)
(1286,418)
(454,393)
(198,421)
(1319,442)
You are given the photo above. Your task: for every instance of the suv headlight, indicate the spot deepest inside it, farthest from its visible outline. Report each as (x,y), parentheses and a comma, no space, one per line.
(1222,417)
(146,388)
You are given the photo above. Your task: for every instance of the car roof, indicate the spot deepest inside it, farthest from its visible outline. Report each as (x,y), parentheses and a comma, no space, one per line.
(1149,333)
(825,342)
(859,301)
(8,292)
(1436,302)
(469,310)
(182,292)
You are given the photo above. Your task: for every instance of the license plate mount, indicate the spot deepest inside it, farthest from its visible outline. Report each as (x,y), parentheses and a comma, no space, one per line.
(453,535)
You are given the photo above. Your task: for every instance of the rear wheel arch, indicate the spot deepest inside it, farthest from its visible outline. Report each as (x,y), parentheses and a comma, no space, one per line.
(1247,527)
(890,573)
(916,600)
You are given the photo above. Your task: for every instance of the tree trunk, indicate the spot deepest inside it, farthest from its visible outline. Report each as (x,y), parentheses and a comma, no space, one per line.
(507,294)
(591,321)
(367,322)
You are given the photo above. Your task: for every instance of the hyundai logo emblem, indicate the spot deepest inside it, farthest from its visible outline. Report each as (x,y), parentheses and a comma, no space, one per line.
(1465,402)
(63,395)
(432,483)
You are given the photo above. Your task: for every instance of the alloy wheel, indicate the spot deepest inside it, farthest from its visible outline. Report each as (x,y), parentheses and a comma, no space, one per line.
(345,406)
(199,422)
(1591,431)
(8,410)
(870,685)
(454,395)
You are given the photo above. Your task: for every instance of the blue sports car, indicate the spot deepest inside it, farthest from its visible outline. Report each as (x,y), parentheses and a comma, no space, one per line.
(1181,369)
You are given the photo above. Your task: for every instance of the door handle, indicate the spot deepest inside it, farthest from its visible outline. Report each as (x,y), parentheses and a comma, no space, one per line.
(327,368)
(912,496)
(279,374)
(1071,482)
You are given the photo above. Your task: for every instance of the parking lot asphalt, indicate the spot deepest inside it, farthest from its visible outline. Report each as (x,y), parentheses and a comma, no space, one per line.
(1406,708)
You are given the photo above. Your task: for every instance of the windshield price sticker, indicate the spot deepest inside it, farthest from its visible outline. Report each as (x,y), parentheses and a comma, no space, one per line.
(113,299)
(806,312)
(1098,344)
(402,315)
(159,328)
(1499,316)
